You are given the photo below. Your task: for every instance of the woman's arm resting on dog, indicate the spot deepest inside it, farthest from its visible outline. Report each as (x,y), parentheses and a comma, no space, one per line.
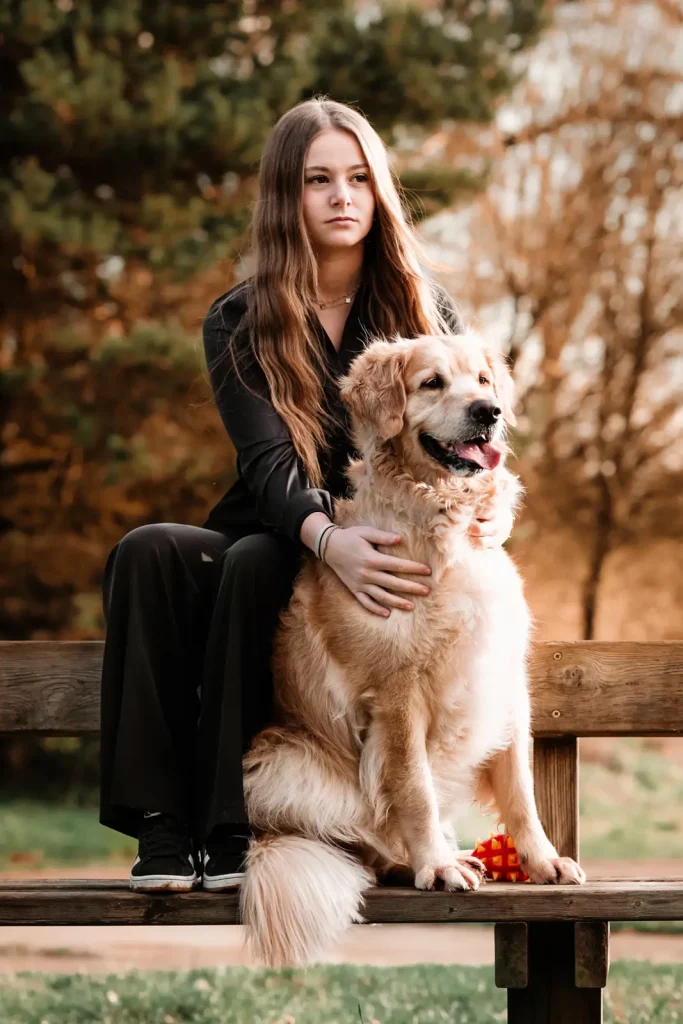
(366,572)
(310,526)
(266,457)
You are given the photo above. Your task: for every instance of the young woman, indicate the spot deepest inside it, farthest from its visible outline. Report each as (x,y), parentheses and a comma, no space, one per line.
(191,611)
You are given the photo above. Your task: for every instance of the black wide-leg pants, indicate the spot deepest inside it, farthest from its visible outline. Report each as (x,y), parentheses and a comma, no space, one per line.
(191,615)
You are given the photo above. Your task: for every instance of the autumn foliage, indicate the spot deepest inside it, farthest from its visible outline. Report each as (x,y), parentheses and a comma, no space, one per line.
(549,171)
(134,133)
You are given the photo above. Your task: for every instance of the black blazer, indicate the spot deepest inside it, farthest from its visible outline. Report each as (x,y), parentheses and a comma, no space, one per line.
(272,490)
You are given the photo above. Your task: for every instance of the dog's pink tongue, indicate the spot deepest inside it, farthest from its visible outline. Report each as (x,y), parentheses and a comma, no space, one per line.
(485,455)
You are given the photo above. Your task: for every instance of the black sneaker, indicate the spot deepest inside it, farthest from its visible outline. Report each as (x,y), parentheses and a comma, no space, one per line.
(165,859)
(223,858)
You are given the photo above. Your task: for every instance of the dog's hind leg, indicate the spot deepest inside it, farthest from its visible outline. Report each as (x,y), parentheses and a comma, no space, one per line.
(305,872)
(292,784)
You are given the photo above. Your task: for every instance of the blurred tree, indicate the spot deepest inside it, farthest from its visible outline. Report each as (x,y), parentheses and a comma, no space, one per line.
(131,137)
(579,242)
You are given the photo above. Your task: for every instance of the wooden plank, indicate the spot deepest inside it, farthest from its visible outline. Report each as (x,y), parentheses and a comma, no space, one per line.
(511,954)
(112,902)
(587,688)
(556,787)
(591,953)
(551,996)
(50,687)
(591,688)
(14,882)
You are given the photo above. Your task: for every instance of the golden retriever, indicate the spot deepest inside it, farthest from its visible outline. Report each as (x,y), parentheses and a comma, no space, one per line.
(388,725)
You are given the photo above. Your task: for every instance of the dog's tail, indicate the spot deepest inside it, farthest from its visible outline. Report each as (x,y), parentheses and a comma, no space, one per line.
(298,897)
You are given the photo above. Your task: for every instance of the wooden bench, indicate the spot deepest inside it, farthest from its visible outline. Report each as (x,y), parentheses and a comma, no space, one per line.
(551,942)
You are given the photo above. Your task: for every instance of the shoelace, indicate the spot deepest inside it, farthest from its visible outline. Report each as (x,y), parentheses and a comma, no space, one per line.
(225,853)
(161,838)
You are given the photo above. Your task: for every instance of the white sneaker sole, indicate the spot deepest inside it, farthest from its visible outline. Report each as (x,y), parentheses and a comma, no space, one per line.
(220,882)
(163,883)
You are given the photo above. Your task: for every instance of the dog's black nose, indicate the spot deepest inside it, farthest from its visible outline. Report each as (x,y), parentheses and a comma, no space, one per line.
(484,412)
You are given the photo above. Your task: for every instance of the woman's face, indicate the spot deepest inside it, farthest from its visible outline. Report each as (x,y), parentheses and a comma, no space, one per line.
(337,184)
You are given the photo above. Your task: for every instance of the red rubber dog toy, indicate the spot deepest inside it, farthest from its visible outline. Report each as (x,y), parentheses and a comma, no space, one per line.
(499,856)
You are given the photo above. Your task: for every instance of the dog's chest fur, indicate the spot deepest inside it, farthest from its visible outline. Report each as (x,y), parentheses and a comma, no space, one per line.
(461,650)
(458,655)
(466,643)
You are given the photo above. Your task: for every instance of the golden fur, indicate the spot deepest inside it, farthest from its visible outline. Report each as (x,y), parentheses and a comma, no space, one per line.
(386,726)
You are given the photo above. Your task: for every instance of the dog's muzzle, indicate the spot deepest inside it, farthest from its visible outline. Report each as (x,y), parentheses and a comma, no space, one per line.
(474,453)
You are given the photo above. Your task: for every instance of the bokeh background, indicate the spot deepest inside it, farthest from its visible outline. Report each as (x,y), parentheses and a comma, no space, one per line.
(540,147)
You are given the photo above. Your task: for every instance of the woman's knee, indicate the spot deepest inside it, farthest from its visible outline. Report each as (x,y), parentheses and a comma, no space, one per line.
(262,556)
(144,554)
(148,539)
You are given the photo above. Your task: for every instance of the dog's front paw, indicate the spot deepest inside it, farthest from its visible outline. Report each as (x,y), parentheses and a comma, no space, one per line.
(555,871)
(463,873)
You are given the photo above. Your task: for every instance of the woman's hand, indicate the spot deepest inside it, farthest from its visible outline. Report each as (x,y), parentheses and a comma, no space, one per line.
(367,572)
(492,531)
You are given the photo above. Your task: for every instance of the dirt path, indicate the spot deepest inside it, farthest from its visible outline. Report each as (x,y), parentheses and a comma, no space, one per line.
(104,949)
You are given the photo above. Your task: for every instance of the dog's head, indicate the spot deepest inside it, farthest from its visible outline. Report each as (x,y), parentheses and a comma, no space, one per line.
(447,399)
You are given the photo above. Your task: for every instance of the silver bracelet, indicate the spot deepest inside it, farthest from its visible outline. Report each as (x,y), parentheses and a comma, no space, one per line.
(316,542)
(321,532)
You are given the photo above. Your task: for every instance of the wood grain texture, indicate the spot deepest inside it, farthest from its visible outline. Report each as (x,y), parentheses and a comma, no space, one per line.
(578,689)
(112,902)
(50,687)
(591,953)
(551,997)
(511,954)
(591,688)
(556,788)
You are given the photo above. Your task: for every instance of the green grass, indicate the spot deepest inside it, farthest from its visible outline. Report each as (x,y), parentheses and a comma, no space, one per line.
(637,994)
(632,806)
(655,927)
(37,834)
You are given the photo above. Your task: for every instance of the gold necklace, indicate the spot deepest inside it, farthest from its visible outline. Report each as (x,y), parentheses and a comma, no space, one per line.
(346,298)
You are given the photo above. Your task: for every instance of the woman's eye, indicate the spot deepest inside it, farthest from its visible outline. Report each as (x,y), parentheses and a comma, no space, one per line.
(483,379)
(323,178)
(433,382)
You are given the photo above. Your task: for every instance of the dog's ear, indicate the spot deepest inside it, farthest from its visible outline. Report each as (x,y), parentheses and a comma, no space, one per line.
(374,389)
(503,384)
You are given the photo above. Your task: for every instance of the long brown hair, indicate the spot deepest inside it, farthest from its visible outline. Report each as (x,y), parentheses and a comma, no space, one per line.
(398,298)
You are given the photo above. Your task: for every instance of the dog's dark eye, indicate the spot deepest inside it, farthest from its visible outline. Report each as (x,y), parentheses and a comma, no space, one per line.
(433,382)
(483,379)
